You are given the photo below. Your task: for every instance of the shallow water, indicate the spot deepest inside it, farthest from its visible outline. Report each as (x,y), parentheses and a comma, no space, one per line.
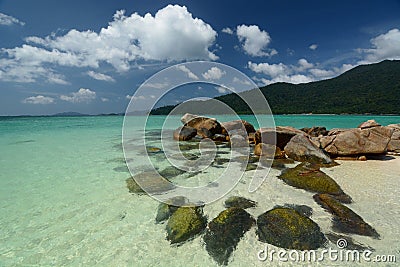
(64,201)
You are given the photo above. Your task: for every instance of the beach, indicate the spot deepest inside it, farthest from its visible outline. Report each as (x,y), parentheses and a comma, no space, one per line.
(64,201)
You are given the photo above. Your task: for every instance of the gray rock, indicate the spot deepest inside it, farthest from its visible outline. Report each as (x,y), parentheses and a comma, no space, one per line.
(300,148)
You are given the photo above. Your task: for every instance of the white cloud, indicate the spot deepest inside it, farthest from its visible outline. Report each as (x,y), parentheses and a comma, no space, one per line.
(156,85)
(304,64)
(129,97)
(214,73)
(221,89)
(272,70)
(254,41)
(189,73)
(385,46)
(104,99)
(56,78)
(227,30)
(83,95)
(313,46)
(237,80)
(322,74)
(100,76)
(43,100)
(8,20)
(172,34)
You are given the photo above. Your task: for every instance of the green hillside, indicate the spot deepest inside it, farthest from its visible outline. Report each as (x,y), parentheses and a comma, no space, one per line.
(373,88)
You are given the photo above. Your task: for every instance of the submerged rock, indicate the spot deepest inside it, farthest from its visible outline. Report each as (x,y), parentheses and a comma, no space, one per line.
(309,177)
(165,210)
(224,233)
(287,228)
(171,172)
(239,202)
(344,219)
(151,181)
(184,133)
(300,148)
(185,223)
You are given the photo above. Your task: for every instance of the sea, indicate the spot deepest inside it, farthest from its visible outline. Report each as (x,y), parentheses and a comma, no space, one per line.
(64,200)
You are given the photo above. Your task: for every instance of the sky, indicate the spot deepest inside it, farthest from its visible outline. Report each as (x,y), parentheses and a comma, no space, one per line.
(91,56)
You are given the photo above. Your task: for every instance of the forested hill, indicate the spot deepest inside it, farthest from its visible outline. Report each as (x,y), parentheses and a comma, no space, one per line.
(373,88)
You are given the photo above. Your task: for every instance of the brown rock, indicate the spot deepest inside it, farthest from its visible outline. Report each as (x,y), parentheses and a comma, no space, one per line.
(368,124)
(394,143)
(212,125)
(268,151)
(237,125)
(300,148)
(184,133)
(315,131)
(278,136)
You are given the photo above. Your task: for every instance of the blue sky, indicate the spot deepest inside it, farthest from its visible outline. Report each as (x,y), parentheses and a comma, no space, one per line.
(90,56)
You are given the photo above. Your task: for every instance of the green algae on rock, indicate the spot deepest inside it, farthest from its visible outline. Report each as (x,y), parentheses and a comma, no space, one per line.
(224,233)
(165,210)
(344,219)
(239,202)
(309,177)
(287,228)
(150,181)
(185,223)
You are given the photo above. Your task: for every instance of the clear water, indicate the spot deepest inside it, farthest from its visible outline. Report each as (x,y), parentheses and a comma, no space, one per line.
(63,198)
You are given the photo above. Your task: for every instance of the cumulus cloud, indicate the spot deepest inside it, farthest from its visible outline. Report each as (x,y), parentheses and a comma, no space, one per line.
(83,95)
(313,46)
(254,41)
(189,73)
(384,46)
(303,72)
(227,30)
(221,89)
(104,99)
(172,34)
(8,20)
(100,76)
(42,100)
(214,73)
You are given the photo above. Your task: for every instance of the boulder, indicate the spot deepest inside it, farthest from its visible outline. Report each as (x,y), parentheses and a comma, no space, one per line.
(268,151)
(279,136)
(358,141)
(188,117)
(237,125)
(239,202)
(394,143)
(185,223)
(165,210)
(184,133)
(300,148)
(210,124)
(344,219)
(224,233)
(368,124)
(309,177)
(287,228)
(151,181)
(239,141)
(315,131)
(171,172)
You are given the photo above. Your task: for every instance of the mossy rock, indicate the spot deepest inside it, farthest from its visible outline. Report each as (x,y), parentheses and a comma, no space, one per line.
(302,209)
(287,228)
(185,146)
(153,150)
(221,161)
(224,233)
(150,181)
(185,223)
(165,210)
(171,172)
(309,177)
(239,202)
(344,219)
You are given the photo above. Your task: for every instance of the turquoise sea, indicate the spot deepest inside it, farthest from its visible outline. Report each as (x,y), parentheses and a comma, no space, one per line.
(64,201)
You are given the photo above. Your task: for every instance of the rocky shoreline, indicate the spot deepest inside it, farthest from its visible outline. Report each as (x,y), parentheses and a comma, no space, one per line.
(288,226)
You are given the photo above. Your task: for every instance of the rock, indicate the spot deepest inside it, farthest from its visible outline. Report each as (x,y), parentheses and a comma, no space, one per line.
(171,172)
(302,209)
(151,181)
(362,158)
(153,150)
(239,202)
(351,244)
(188,117)
(358,141)
(185,223)
(315,131)
(239,141)
(280,134)
(300,148)
(287,228)
(165,210)
(219,138)
(224,233)
(368,124)
(184,133)
(309,177)
(344,219)
(268,151)
(204,133)
(212,125)
(394,143)
(237,125)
